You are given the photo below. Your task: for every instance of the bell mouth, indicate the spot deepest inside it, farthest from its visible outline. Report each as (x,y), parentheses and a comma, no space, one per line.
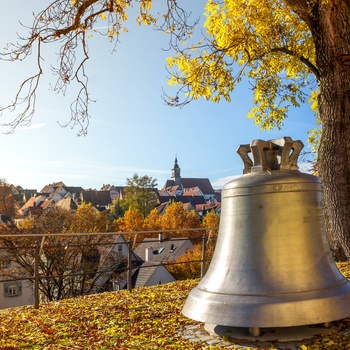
(265,311)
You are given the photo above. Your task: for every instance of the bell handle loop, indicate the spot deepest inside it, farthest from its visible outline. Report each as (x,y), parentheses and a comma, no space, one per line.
(279,154)
(261,161)
(290,152)
(296,147)
(243,151)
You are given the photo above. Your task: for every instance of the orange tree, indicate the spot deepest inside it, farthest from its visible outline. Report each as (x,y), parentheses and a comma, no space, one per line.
(132,221)
(88,219)
(175,218)
(187,266)
(153,221)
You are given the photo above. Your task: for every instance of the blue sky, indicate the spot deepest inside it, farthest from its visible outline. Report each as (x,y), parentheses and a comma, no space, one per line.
(131,129)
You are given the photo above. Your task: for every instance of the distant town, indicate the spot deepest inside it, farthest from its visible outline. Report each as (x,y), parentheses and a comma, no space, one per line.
(77,264)
(194,193)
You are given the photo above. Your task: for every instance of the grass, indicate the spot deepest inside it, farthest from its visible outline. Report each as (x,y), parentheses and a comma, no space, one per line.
(147,318)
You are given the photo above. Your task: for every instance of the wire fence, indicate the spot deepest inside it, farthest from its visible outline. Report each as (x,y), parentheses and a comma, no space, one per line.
(44,259)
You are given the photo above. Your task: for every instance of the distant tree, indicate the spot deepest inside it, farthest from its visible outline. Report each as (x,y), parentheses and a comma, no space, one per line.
(132,221)
(153,221)
(175,218)
(88,219)
(211,220)
(27,223)
(116,210)
(184,267)
(8,203)
(189,264)
(140,194)
(53,220)
(192,219)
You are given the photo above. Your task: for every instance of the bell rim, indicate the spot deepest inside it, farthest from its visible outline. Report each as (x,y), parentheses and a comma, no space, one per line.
(264,311)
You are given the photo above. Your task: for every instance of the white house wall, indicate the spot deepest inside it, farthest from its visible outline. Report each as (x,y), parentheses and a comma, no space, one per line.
(160,276)
(25,297)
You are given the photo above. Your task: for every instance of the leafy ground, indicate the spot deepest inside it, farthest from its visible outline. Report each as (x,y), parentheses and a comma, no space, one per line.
(147,318)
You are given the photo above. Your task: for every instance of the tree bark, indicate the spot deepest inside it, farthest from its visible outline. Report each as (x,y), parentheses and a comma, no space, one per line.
(331,32)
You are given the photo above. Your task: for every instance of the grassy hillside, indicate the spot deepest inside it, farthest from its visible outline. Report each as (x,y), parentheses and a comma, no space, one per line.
(148,318)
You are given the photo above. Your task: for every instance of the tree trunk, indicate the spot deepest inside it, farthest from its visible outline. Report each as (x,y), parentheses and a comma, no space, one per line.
(331,33)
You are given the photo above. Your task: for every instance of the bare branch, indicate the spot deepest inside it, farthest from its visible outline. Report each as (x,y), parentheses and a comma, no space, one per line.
(67,24)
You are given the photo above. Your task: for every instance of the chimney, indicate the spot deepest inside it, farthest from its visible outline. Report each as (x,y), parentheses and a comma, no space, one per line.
(160,237)
(148,253)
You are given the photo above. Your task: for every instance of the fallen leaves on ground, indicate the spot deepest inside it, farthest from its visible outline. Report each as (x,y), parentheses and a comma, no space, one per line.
(148,318)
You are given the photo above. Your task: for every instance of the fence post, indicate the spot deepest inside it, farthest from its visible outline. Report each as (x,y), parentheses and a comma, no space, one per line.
(204,241)
(129,265)
(36,276)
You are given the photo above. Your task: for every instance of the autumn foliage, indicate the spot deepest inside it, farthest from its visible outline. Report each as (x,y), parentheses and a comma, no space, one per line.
(147,318)
(187,265)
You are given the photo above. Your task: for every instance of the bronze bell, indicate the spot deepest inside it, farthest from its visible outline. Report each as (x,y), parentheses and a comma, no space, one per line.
(272,266)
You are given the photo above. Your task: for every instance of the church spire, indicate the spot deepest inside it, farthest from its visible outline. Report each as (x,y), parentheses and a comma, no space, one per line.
(175,171)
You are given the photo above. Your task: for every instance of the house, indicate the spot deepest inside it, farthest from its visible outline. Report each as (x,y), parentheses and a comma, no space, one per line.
(50,196)
(14,293)
(74,192)
(112,257)
(67,204)
(150,274)
(153,254)
(99,199)
(115,192)
(33,202)
(162,249)
(22,195)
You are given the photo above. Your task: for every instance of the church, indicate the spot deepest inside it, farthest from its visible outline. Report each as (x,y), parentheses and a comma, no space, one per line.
(195,193)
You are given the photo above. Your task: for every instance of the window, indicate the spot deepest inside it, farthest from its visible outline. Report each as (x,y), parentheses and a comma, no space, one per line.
(12,289)
(158,251)
(120,248)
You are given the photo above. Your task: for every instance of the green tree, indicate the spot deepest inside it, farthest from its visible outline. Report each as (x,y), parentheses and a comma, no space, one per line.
(116,210)
(285,48)
(140,194)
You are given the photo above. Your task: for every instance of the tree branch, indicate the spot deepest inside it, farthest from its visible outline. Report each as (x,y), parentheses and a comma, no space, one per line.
(304,60)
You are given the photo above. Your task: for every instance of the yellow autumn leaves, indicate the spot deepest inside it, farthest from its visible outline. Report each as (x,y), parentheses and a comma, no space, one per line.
(147,318)
(261,39)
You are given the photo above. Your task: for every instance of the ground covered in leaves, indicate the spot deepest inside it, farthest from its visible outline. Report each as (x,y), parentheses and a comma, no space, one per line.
(147,318)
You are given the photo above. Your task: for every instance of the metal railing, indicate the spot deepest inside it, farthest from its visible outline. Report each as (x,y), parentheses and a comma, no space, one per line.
(39,247)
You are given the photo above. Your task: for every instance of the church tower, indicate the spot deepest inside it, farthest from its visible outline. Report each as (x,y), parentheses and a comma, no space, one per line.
(175,173)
